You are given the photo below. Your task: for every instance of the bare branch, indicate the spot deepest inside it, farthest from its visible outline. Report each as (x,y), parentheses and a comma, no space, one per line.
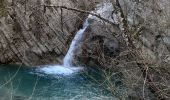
(83,11)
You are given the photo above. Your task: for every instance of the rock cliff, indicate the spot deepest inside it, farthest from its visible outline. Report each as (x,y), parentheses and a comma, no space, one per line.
(138,48)
(33,34)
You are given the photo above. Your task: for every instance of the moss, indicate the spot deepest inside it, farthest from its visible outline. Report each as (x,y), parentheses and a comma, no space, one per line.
(3,10)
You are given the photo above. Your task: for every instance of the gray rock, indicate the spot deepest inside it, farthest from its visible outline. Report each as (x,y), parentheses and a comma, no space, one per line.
(34,35)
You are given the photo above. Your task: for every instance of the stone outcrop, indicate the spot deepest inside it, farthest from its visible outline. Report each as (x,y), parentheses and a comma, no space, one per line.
(147,22)
(98,45)
(99,41)
(153,18)
(33,34)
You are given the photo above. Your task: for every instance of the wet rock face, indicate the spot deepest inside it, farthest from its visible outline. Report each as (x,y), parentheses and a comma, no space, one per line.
(33,34)
(98,45)
(100,42)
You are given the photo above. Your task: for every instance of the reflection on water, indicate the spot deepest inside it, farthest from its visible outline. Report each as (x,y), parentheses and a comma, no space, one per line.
(21,83)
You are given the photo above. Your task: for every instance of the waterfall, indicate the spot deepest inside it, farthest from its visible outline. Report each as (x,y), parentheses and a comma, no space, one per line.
(67,62)
(67,67)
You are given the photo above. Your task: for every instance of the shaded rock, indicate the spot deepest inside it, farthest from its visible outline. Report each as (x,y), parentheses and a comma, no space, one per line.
(111,47)
(98,43)
(33,34)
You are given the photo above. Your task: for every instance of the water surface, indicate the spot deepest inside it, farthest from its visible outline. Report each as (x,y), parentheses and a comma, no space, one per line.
(20,83)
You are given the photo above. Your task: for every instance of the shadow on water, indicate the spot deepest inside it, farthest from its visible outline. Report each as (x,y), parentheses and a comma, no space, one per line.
(22,83)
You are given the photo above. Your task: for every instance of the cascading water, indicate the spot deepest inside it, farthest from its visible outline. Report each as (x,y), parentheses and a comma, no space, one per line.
(67,68)
(78,87)
(67,62)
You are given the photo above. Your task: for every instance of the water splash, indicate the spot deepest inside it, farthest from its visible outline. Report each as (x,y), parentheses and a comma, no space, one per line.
(59,70)
(67,68)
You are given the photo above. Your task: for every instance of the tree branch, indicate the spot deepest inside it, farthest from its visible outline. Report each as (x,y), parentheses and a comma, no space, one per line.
(83,11)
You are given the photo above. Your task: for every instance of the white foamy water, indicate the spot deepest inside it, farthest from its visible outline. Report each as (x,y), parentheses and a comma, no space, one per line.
(60,70)
(67,68)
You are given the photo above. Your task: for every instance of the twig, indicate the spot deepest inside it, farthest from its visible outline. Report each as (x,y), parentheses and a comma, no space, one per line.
(144,83)
(61,19)
(82,11)
(33,91)
(11,78)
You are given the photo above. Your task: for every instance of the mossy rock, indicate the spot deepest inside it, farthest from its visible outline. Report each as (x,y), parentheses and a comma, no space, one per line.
(3,10)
